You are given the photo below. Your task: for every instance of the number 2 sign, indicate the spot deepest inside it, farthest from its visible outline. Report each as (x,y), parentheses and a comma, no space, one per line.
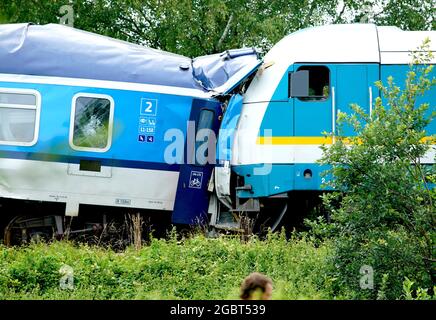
(148,107)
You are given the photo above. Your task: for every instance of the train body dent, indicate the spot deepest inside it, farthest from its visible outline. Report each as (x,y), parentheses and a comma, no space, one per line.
(86,120)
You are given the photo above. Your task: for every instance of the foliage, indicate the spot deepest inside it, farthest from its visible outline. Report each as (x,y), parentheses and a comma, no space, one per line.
(383,210)
(421,294)
(407,14)
(194,268)
(194,28)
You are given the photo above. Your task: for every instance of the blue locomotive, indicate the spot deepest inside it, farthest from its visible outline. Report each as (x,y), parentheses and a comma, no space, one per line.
(91,124)
(305,80)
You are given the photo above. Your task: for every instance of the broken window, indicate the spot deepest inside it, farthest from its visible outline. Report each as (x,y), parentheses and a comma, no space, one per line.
(91,123)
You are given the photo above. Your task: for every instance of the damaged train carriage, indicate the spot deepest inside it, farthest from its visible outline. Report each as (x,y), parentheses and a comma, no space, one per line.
(85,122)
(276,127)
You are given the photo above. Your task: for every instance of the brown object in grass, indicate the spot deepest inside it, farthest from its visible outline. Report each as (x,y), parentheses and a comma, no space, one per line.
(256,281)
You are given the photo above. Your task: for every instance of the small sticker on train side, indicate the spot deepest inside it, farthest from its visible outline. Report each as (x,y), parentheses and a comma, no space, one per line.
(150,130)
(148,107)
(141,138)
(147,121)
(196,179)
(141,128)
(146,129)
(125,202)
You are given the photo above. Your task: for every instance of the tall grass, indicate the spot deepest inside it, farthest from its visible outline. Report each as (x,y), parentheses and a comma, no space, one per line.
(193,268)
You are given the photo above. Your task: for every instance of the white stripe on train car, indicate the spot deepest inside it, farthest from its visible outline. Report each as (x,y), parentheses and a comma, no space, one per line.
(105,84)
(55,181)
(403,57)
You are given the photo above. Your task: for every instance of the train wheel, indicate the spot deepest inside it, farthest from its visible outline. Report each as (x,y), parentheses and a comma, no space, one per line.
(24,229)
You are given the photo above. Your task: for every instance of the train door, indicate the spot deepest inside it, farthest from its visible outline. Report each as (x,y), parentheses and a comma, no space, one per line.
(355,85)
(320,91)
(312,90)
(192,198)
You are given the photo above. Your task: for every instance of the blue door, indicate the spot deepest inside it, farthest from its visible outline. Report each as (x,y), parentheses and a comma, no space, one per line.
(313,111)
(355,85)
(192,198)
(319,92)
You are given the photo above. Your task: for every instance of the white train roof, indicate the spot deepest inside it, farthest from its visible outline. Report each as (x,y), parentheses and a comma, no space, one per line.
(330,43)
(347,43)
(396,44)
(395,39)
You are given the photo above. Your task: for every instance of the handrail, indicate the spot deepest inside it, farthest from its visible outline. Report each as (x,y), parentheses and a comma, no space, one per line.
(333,113)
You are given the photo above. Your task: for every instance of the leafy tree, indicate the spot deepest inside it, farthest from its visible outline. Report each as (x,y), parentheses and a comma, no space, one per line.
(198,27)
(408,14)
(383,209)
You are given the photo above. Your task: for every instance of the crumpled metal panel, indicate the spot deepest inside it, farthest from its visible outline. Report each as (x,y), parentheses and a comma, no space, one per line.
(62,51)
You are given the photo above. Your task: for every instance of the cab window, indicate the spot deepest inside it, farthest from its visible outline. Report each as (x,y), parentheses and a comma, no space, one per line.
(318,83)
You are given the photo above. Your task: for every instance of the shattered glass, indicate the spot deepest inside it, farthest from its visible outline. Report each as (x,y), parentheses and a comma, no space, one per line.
(91,122)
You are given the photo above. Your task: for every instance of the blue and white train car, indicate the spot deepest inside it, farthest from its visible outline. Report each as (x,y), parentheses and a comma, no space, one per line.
(91,124)
(86,120)
(306,79)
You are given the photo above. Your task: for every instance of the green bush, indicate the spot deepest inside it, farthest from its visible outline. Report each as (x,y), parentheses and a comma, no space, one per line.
(416,294)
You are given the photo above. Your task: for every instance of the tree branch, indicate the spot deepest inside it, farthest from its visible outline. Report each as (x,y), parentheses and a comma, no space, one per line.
(226,30)
(338,18)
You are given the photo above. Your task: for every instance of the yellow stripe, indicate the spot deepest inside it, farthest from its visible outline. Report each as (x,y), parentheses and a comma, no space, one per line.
(431,139)
(310,140)
(294,140)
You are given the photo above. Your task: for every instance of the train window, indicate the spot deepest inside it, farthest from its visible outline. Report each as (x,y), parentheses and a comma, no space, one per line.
(19,116)
(205,120)
(319,83)
(204,129)
(91,122)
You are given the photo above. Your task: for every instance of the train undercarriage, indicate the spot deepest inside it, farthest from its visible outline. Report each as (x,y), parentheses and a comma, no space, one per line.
(24,221)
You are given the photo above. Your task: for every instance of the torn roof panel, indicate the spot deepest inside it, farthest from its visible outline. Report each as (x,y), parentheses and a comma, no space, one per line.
(61,51)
